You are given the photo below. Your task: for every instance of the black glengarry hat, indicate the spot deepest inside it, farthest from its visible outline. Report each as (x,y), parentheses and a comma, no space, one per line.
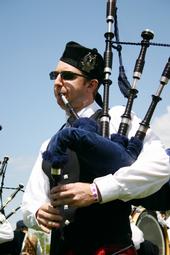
(88,61)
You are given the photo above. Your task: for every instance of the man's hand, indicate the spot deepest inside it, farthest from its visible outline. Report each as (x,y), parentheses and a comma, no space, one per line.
(75,194)
(48,217)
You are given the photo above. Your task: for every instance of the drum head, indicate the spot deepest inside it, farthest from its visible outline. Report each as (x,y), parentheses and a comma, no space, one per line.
(152,230)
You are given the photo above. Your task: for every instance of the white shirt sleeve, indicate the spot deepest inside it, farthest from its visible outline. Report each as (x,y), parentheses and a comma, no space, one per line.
(145,176)
(36,192)
(6,231)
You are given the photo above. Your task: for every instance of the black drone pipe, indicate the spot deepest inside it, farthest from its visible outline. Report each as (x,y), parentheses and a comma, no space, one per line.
(11,197)
(2,173)
(144,125)
(108,56)
(13,211)
(3,165)
(147,35)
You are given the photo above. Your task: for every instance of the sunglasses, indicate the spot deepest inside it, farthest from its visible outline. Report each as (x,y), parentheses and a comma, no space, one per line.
(65,75)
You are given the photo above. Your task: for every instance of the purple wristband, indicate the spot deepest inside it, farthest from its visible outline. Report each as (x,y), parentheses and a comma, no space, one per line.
(94,192)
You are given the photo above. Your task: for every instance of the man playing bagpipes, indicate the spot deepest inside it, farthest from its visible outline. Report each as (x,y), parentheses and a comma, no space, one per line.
(100,225)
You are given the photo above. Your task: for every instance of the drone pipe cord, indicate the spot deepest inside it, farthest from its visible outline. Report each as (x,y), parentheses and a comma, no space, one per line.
(139,43)
(108,56)
(147,35)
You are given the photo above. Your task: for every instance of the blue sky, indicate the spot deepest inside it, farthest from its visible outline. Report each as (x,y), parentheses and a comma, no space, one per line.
(33,34)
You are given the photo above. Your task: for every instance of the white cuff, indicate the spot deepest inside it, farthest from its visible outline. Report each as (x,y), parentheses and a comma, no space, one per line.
(108,187)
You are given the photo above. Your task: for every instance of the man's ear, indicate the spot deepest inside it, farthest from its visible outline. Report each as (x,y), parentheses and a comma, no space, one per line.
(93,84)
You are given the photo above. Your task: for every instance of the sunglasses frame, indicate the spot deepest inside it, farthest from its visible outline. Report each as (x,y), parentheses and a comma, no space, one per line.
(54,74)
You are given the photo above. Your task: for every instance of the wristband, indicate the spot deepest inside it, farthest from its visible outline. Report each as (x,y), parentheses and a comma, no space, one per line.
(94,192)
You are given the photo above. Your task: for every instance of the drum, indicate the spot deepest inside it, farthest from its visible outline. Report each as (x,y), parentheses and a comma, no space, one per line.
(153,231)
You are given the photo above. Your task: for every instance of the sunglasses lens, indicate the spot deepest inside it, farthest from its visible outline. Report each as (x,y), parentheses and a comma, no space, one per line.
(68,75)
(53,75)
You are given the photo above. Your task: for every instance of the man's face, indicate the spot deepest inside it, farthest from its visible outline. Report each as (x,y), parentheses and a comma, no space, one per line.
(77,91)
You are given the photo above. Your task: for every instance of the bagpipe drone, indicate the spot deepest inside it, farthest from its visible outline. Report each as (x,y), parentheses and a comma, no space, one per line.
(3,206)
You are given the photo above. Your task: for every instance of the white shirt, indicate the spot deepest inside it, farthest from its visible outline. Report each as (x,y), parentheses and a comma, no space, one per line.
(137,235)
(144,177)
(6,231)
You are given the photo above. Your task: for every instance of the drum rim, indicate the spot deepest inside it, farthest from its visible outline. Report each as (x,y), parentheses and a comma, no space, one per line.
(139,213)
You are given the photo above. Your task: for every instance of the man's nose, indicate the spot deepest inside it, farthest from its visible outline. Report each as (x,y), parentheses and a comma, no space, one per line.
(58,82)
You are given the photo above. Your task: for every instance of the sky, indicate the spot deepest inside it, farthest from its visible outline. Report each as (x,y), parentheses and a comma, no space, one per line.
(33,34)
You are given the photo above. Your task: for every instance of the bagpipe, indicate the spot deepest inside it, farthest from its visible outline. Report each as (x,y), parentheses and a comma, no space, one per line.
(2,187)
(98,152)
(100,155)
